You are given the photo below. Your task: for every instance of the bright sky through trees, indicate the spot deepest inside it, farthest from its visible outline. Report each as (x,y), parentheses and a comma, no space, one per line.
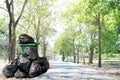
(59,24)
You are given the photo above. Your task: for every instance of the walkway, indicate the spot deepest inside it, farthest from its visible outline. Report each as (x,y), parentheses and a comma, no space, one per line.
(71,71)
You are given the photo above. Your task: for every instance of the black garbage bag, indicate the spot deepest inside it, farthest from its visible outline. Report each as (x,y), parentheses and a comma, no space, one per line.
(20,74)
(24,64)
(25,39)
(10,69)
(35,69)
(30,53)
(44,64)
(7,73)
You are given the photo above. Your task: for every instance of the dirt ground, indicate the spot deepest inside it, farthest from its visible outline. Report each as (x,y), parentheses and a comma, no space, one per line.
(109,67)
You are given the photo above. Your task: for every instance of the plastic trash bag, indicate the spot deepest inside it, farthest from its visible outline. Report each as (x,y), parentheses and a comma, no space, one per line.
(7,73)
(10,69)
(30,53)
(44,64)
(24,64)
(20,74)
(25,39)
(35,69)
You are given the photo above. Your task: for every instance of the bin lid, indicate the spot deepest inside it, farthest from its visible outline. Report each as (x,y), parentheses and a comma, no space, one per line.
(30,44)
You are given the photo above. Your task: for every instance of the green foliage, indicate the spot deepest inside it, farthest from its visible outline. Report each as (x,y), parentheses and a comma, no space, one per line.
(63,45)
(86,12)
(3,39)
(109,38)
(3,29)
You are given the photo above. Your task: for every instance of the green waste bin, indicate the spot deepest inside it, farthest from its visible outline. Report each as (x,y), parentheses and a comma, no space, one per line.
(22,47)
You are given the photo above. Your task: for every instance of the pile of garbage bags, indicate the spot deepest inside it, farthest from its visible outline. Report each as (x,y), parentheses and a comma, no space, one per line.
(29,64)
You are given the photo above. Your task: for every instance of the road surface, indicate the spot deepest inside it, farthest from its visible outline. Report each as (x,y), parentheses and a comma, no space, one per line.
(72,71)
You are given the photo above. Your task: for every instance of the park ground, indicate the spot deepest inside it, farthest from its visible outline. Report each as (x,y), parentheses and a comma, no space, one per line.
(71,71)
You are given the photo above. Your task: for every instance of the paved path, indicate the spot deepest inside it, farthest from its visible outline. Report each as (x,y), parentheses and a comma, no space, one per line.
(68,71)
(71,71)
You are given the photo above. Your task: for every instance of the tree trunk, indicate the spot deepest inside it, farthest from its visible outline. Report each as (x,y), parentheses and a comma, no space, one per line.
(9,6)
(74,55)
(99,41)
(83,56)
(44,53)
(63,57)
(13,44)
(44,47)
(78,55)
(91,56)
(91,51)
(10,44)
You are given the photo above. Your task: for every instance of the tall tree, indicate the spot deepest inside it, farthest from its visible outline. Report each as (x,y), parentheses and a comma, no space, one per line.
(12,26)
(39,24)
